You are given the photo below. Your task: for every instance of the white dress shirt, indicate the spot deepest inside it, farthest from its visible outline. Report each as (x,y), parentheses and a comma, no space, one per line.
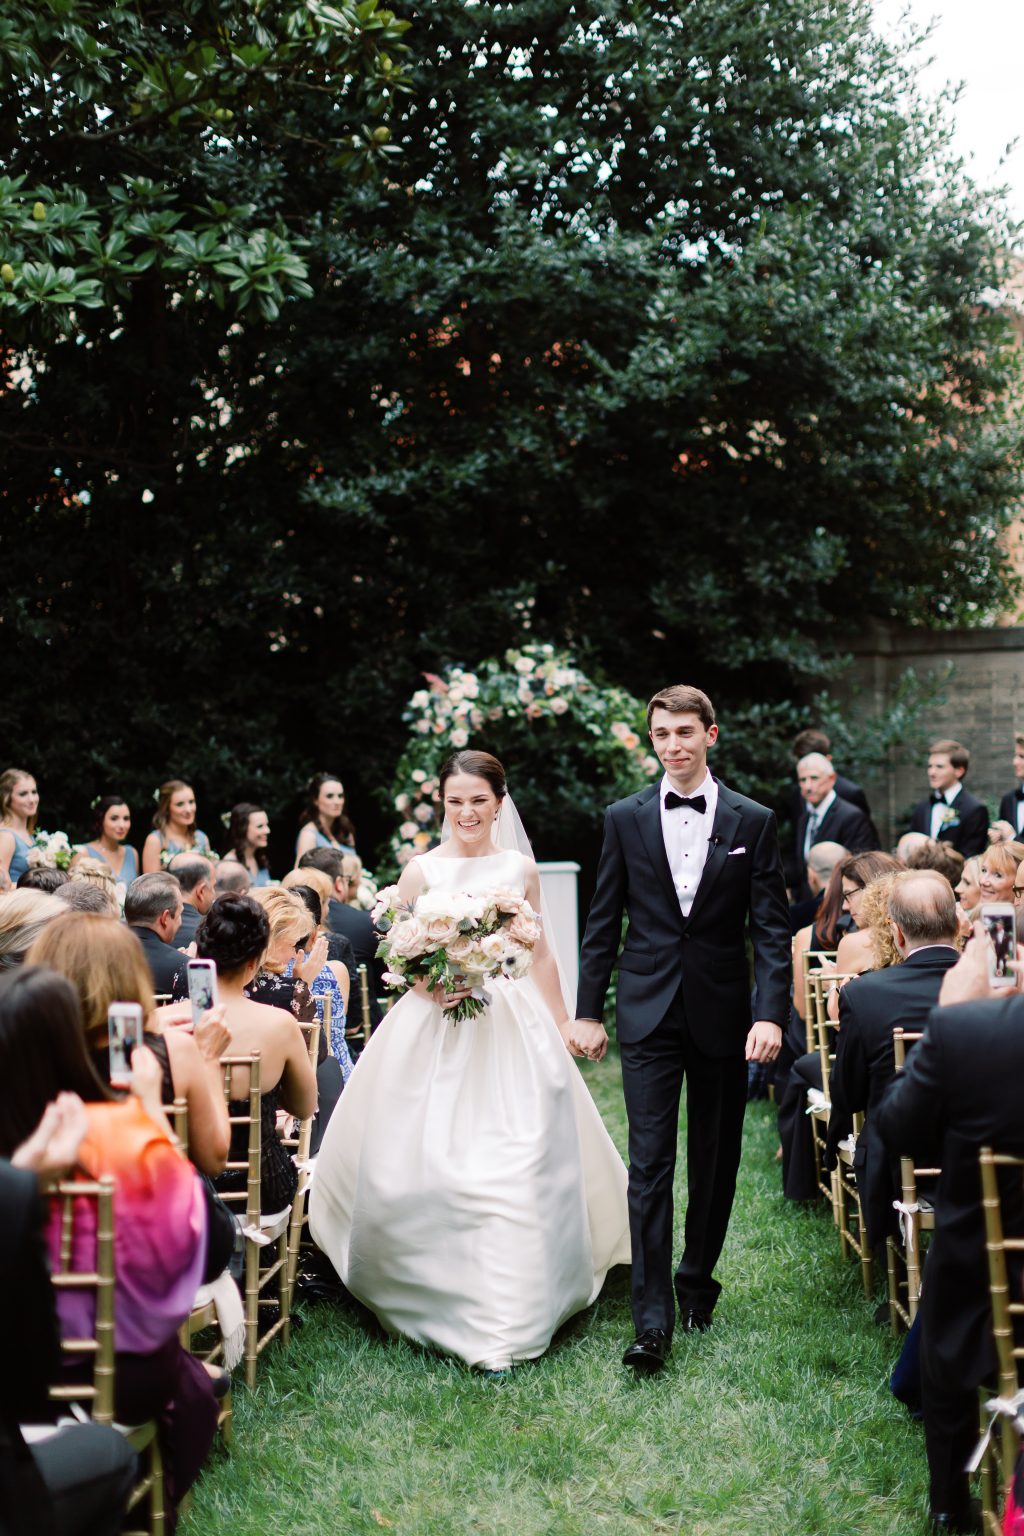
(815,816)
(939,807)
(687,839)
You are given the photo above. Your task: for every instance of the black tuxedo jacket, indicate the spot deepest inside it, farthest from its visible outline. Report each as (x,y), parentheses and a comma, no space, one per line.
(742,883)
(354,925)
(968,833)
(870,1008)
(167,965)
(961,1090)
(1008,808)
(845,788)
(843,823)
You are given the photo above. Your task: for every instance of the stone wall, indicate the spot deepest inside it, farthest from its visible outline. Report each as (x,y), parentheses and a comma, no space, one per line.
(984,706)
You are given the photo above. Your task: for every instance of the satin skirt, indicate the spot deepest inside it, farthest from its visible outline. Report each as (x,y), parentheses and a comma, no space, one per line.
(466,1190)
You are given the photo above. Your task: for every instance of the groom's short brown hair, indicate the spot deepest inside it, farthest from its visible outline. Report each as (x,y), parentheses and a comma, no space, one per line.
(681,699)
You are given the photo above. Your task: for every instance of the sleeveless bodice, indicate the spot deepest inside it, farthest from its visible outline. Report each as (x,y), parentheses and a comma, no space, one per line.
(129,867)
(504,871)
(19,858)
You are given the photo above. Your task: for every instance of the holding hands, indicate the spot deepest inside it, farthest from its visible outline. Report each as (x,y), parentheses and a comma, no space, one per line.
(585,1037)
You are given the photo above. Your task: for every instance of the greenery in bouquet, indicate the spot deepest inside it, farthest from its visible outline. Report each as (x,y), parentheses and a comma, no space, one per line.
(50,850)
(570,744)
(452,939)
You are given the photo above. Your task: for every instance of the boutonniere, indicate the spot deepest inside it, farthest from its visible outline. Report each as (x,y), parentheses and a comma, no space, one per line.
(949,817)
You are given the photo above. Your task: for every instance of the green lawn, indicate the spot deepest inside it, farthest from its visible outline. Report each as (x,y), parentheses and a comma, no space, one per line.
(778,1422)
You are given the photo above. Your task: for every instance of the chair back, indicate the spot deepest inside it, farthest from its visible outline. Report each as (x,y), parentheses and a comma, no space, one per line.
(803,980)
(364,997)
(1006,1313)
(179,1119)
(245,1203)
(67,1199)
(298,1144)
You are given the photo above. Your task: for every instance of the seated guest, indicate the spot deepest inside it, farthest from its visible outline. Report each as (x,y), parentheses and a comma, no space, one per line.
(248,835)
(1010,826)
(950,811)
(86,896)
(231,879)
(175,824)
(235,934)
(338,947)
(865,946)
(323,823)
(160,1239)
(799,1175)
(909,843)
(960,1091)
(923,925)
(331,981)
(289,927)
(103,961)
(42,878)
(824,817)
(19,804)
(350,921)
(76,1480)
(997,874)
(94,873)
(195,876)
(823,935)
(968,888)
(112,822)
(152,909)
(930,853)
(23,916)
(822,859)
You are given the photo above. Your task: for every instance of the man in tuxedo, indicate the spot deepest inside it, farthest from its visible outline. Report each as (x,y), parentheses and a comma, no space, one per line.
(825,818)
(152,910)
(961,1091)
(1010,825)
(922,918)
(806,742)
(950,812)
(693,864)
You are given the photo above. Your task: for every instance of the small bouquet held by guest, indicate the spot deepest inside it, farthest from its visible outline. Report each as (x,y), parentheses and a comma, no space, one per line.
(50,850)
(456,941)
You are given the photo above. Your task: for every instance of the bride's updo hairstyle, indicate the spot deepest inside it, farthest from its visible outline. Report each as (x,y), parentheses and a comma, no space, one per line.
(481,765)
(234,933)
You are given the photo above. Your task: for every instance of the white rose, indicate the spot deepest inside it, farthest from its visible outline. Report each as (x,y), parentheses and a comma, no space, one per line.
(401,802)
(507,901)
(407,940)
(407,830)
(417,775)
(455,694)
(459,737)
(423,726)
(421,699)
(620,730)
(470,686)
(441,930)
(524,929)
(423,814)
(524,665)
(559,706)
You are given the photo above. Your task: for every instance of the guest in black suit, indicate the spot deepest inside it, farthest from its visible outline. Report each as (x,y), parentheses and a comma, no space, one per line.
(825,818)
(195,876)
(922,919)
(152,910)
(352,923)
(806,742)
(693,864)
(950,812)
(1010,825)
(961,1090)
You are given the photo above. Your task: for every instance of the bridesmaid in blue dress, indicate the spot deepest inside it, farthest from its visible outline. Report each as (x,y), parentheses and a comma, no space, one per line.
(19,804)
(176,830)
(248,835)
(323,823)
(112,821)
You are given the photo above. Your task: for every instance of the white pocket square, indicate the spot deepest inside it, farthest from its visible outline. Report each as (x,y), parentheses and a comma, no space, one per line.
(733,851)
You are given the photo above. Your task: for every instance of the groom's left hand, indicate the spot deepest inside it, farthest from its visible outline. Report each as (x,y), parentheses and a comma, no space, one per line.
(764,1041)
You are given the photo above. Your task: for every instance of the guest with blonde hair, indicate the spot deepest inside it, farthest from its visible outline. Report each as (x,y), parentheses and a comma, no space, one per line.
(23,916)
(19,804)
(104,962)
(997,874)
(96,873)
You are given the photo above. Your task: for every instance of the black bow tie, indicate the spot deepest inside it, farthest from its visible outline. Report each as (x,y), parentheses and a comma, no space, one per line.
(938,799)
(1019,793)
(698,802)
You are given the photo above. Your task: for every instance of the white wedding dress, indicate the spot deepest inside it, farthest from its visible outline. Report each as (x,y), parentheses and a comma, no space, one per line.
(466,1189)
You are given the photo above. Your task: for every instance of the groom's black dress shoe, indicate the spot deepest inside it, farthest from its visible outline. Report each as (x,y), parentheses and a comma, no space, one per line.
(695,1321)
(648,1351)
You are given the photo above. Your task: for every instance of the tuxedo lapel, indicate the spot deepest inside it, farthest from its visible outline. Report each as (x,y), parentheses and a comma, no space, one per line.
(726,824)
(648,820)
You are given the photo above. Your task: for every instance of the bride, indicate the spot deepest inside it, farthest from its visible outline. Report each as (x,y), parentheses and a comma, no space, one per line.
(466,1189)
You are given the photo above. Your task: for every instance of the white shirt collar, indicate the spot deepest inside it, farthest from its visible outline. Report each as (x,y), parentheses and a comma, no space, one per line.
(949,795)
(706,788)
(820,809)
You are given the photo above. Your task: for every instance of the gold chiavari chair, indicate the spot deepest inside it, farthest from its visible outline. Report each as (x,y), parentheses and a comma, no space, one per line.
(916,1217)
(259,1231)
(802,977)
(299,1145)
(364,998)
(998,1464)
(98,1394)
(848,1210)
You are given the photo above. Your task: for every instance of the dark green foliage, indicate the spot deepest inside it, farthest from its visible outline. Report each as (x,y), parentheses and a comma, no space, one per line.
(670,342)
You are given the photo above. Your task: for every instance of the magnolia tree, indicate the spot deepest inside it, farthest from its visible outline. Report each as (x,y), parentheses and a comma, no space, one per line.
(569,745)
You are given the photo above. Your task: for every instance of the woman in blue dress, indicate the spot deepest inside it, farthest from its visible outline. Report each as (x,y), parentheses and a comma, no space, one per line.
(112,821)
(176,830)
(19,804)
(323,823)
(248,835)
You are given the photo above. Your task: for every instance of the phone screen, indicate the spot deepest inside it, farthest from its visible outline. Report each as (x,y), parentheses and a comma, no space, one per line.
(124,1033)
(1000,924)
(202,987)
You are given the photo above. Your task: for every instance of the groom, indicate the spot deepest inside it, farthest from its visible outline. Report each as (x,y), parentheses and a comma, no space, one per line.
(694,865)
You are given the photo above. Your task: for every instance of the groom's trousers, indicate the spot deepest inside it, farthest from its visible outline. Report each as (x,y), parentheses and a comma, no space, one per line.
(653,1070)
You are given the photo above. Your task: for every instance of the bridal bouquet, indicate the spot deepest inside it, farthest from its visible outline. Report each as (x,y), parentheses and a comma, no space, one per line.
(454,940)
(50,850)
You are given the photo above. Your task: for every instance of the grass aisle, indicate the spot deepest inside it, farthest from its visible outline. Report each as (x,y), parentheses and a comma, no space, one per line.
(777,1422)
